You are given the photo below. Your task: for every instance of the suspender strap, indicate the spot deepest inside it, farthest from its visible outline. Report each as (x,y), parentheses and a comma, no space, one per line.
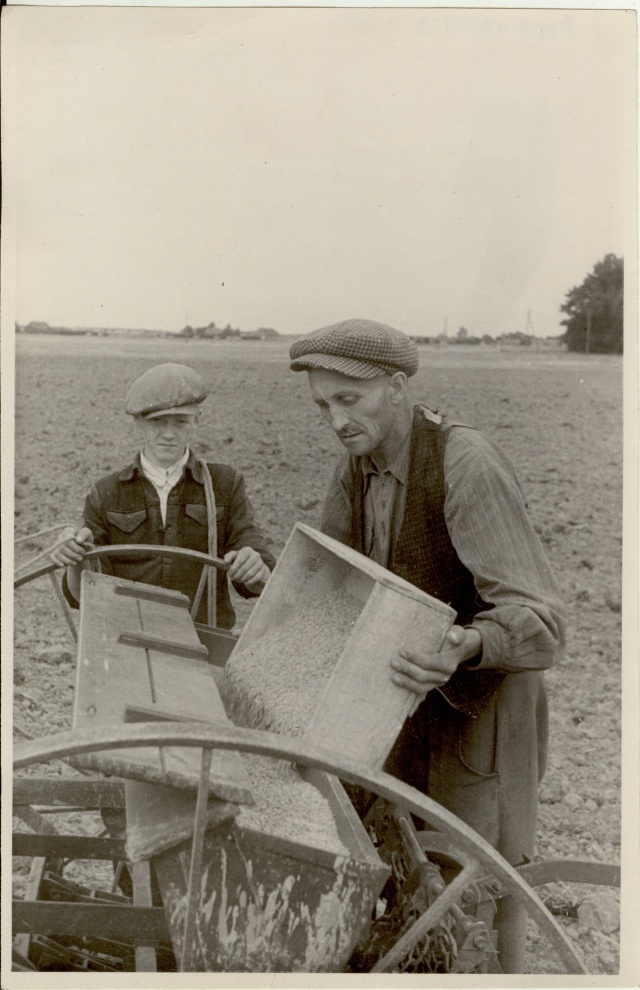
(213,544)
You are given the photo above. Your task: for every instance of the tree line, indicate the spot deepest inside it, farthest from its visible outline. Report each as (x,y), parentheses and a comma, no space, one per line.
(595,310)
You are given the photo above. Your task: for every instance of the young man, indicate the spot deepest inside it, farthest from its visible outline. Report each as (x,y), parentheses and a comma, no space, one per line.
(440,505)
(167,497)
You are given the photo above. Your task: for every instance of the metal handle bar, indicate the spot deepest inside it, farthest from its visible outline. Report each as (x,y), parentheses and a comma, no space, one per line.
(130,549)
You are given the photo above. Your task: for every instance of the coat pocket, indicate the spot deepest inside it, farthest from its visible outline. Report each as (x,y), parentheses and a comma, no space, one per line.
(197,512)
(127,522)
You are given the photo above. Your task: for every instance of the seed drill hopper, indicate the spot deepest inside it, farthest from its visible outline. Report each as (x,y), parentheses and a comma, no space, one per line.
(200,882)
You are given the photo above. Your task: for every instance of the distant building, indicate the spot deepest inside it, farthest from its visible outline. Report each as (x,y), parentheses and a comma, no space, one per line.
(262,333)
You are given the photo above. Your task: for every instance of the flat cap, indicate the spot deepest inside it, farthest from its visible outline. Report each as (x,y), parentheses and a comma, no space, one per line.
(357,349)
(166,389)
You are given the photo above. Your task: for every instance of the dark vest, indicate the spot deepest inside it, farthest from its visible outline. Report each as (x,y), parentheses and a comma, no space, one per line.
(424,554)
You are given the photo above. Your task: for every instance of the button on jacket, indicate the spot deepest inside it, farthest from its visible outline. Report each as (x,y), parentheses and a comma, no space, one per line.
(124,507)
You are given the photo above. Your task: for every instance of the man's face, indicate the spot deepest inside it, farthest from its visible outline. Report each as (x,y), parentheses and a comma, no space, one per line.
(361,412)
(165,438)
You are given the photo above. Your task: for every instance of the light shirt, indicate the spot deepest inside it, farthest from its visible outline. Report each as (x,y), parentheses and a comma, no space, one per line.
(385,495)
(163,479)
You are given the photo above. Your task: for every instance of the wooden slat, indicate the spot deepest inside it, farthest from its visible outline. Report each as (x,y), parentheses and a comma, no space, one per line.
(67,846)
(110,674)
(115,921)
(219,643)
(160,817)
(21,942)
(163,596)
(145,954)
(87,793)
(147,642)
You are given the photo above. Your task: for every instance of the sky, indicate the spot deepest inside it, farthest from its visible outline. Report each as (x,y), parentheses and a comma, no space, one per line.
(291,168)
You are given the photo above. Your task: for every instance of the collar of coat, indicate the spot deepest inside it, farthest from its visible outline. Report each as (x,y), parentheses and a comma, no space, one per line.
(193,465)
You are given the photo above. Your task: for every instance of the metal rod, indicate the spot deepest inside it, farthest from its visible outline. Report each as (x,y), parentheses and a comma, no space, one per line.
(31,537)
(131,550)
(199,593)
(66,611)
(410,837)
(193,889)
(427,920)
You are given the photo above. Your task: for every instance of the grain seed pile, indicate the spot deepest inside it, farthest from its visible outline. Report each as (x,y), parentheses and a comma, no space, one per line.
(288,806)
(277,682)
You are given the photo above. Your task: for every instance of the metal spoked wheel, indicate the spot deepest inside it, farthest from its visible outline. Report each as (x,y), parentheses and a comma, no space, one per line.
(451,837)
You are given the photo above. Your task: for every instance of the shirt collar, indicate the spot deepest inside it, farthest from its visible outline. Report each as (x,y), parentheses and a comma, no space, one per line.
(192,465)
(399,467)
(161,476)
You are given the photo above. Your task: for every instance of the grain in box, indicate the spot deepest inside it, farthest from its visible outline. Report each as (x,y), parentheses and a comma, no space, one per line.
(314,658)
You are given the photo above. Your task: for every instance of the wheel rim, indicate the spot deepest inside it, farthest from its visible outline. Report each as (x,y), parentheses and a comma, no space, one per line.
(479,854)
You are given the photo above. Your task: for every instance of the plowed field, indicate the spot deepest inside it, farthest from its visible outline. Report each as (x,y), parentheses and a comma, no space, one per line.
(558,416)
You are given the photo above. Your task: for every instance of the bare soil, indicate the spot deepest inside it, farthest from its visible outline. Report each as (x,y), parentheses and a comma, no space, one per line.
(558,416)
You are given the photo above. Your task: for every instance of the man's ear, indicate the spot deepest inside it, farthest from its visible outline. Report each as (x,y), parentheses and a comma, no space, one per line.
(398,384)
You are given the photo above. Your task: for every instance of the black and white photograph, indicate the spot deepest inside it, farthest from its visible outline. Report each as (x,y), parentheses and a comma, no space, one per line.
(319,430)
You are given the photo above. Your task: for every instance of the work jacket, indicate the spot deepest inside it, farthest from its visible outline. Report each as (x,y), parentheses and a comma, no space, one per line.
(124,507)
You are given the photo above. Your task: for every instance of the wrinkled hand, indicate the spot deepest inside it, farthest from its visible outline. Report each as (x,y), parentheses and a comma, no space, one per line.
(72,546)
(423,672)
(247,568)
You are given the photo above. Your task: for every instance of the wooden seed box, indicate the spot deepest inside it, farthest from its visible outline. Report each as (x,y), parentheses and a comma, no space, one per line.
(268,904)
(361,710)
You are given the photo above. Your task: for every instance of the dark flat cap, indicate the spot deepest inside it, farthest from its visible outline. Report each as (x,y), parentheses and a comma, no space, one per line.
(356,348)
(166,389)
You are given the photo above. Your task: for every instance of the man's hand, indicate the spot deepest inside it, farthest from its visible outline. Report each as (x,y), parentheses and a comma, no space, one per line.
(423,672)
(247,568)
(72,546)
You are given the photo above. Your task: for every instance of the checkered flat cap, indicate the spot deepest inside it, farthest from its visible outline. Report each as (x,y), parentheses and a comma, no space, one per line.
(165,389)
(356,348)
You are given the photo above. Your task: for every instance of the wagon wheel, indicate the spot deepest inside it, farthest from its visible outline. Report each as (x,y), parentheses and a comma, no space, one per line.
(477,857)
(131,550)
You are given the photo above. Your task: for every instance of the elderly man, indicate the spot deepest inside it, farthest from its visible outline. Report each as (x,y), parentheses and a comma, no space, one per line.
(440,505)
(167,497)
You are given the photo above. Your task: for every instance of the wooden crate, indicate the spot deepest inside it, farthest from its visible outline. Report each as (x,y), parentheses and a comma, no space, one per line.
(268,904)
(361,710)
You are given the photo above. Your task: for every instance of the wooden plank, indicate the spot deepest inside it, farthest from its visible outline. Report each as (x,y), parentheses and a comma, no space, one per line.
(168,624)
(160,817)
(111,673)
(164,596)
(87,793)
(146,961)
(105,670)
(67,846)
(21,942)
(35,820)
(114,921)
(380,574)
(219,643)
(200,701)
(160,645)
(361,708)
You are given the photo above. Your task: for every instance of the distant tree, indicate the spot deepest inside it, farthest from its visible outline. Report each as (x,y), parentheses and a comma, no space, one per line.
(187,331)
(463,333)
(595,310)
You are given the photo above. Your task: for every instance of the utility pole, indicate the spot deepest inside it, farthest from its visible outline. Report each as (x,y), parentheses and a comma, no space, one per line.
(588,340)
